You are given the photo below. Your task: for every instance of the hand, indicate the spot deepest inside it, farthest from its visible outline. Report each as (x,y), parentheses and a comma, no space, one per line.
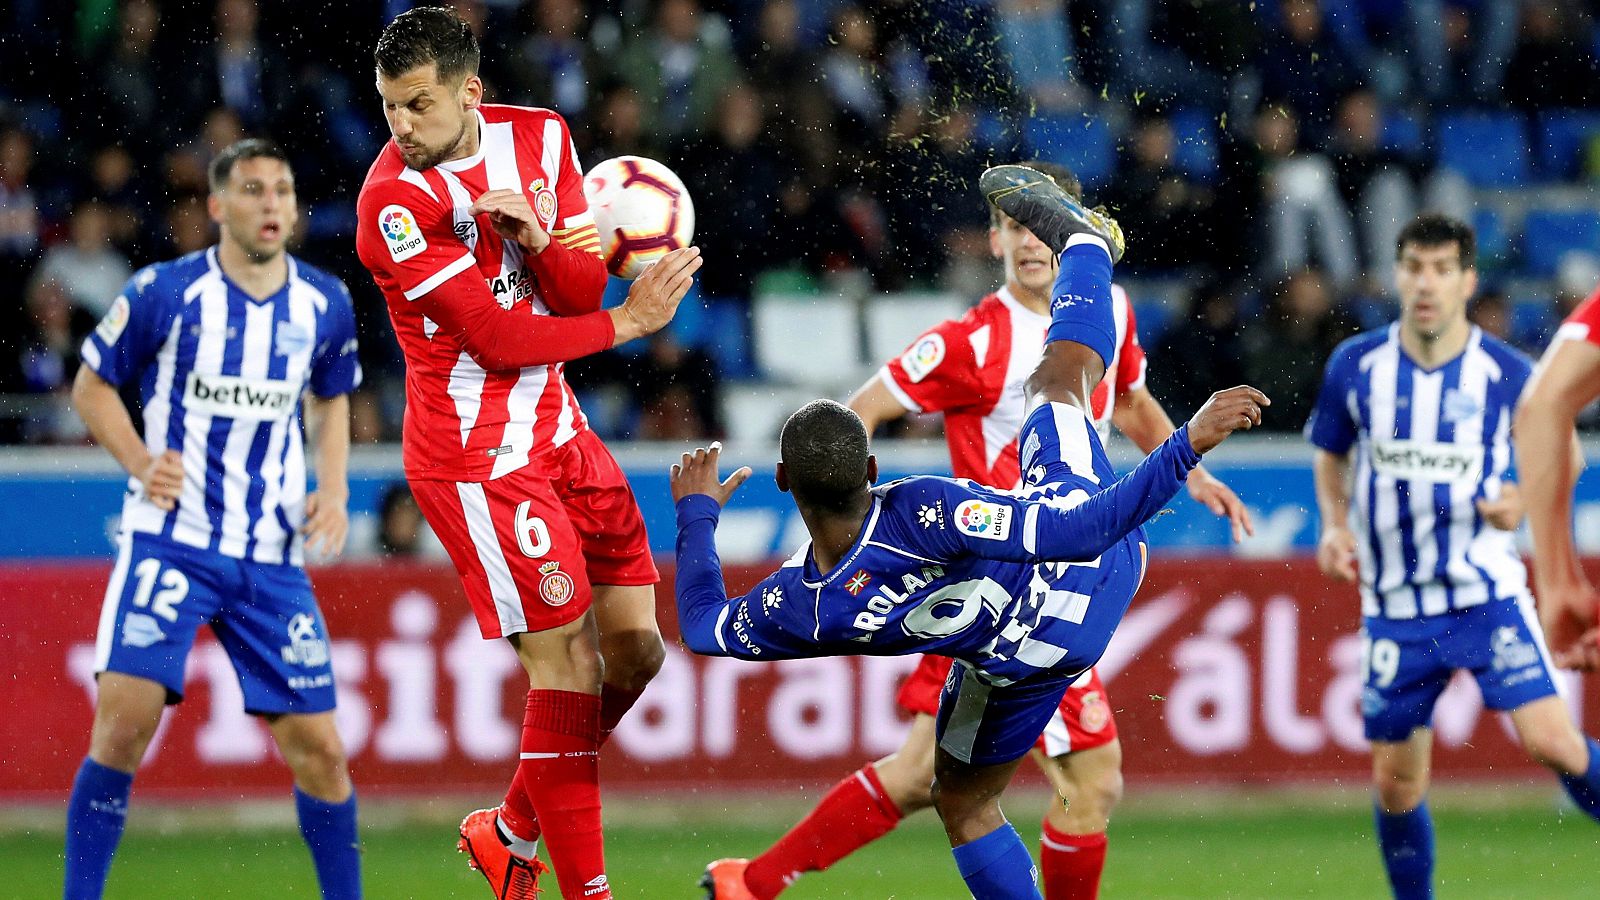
(697,474)
(327,523)
(655,295)
(512,218)
(1222,501)
(1503,512)
(1226,412)
(163,480)
(1336,553)
(1569,616)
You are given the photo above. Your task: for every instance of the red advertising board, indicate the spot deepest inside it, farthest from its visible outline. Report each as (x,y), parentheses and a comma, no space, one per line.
(1224,671)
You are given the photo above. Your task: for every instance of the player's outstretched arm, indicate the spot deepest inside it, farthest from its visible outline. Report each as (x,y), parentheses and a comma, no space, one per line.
(1567,378)
(701,593)
(327,508)
(1140,416)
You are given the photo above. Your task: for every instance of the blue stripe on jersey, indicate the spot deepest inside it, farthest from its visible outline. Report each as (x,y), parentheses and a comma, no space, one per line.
(1405,387)
(188,335)
(222,426)
(1446,434)
(1491,429)
(277,366)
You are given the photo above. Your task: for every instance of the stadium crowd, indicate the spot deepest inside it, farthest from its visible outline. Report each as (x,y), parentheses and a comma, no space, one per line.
(1261,156)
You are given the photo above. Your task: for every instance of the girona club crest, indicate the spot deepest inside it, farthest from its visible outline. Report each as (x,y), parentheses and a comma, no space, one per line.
(555,586)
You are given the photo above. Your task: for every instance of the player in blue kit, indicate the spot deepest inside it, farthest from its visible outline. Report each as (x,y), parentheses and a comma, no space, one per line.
(1423,408)
(222,345)
(1023,589)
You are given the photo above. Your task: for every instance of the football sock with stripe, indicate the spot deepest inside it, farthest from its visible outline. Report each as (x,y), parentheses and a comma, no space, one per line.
(853,814)
(997,866)
(1406,840)
(96,812)
(518,826)
(1071,863)
(1585,789)
(1080,304)
(330,832)
(560,770)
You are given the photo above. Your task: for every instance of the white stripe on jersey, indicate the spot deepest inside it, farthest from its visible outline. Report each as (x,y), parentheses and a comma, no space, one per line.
(253,363)
(138,513)
(193,524)
(105,632)
(466,390)
(516,440)
(502,587)
(440,277)
(1072,430)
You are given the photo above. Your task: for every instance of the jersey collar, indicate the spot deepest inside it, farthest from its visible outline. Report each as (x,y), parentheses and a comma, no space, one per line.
(1015,306)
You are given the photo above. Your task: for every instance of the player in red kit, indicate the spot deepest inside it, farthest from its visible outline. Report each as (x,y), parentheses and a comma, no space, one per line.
(473,223)
(1566,380)
(973,370)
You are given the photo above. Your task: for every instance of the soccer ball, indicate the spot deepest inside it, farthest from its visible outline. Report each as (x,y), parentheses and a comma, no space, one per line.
(641,210)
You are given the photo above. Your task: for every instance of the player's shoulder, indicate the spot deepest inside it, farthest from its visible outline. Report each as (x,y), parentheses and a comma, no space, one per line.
(1586,316)
(390,182)
(987,312)
(172,275)
(1353,349)
(320,280)
(1511,361)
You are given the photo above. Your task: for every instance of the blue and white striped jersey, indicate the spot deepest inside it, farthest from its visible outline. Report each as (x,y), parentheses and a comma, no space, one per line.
(220,377)
(1429,444)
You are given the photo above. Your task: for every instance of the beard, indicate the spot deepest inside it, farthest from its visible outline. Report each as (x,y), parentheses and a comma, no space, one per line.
(422,157)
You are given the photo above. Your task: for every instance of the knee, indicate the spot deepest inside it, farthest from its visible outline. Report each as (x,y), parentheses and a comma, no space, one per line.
(1400,792)
(632,658)
(1096,797)
(120,737)
(319,765)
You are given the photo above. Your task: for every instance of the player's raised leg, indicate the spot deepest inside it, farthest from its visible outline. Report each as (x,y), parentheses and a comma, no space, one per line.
(864,806)
(324,799)
(1546,731)
(1072,846)
(127,710)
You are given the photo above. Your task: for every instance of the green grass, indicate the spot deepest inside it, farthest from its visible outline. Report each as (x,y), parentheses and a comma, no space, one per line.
(1240,846)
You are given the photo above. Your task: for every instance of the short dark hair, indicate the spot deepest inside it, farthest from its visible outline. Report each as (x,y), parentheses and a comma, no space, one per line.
(1058,173)
(824,451)
(1436,230)
(238,151)
(428,34)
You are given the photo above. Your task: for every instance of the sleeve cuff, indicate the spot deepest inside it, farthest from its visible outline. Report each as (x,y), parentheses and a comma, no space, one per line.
(696,507)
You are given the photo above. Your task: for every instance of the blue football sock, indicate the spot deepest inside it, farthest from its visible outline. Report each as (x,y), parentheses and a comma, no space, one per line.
(1080,305)
(1406,840)
(997,867)
(1585,789)
(96,813)
(330,832)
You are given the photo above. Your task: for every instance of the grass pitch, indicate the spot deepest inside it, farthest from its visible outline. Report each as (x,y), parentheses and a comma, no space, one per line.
(1492,844)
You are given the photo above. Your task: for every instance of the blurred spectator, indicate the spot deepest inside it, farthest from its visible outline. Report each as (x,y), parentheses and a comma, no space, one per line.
(240,68)
(1301,199)
(1286,345)
(1144,59)
(679,67)
(619,128)
(1491,311)
(1549,69)
(1038,39)
(87,266)
(1162,207)
(1305,69)
(366,417)
(186,165)
(552,65)
(1461,47)
(1201,351)
(19,208)
(1381,184)
(189,226)
(400,524)
(48,360)
(926,225)
(127,92)
(732,171)
(677,393)
(853,75)
(787,74)
(112,179)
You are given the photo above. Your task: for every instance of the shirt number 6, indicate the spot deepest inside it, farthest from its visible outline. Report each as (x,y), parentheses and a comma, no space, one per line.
(533,536)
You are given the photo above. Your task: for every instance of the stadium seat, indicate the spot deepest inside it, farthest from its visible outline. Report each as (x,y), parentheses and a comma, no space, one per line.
(1494,238)
(1564,135)
(1489,149)
(1082,142)
(755,412)
(809,340)
(1195,131)
(1549,234)
(895,320)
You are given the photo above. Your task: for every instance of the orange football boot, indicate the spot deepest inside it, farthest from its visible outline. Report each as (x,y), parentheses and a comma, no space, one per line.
(724,880)
(511,877)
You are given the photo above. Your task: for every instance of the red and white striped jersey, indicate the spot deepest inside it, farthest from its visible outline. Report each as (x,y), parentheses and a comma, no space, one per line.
(448,277)
(973,369)
(1584,322)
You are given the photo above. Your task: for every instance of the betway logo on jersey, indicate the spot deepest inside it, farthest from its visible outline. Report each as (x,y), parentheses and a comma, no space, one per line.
(1427,461)
(258,399)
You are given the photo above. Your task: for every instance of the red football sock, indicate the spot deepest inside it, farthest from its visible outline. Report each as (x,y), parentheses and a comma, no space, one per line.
(856,812)
(614,704)
(560,773)
(1072,864)
(517,811)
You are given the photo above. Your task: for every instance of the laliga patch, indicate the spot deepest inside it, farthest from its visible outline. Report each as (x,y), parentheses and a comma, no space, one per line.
(990,521)
(923,357)
(116,319)
(555,586)
(401,234)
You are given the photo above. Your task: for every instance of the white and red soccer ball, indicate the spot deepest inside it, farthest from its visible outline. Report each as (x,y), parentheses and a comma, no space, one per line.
(641,210)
